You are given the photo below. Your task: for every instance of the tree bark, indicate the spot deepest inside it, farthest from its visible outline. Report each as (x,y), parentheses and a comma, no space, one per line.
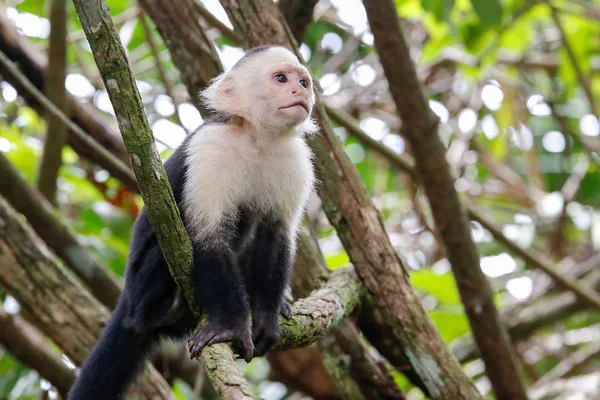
(361,229)
(59,304)
(419,126)
(47,223)
(29,346)
(298,15)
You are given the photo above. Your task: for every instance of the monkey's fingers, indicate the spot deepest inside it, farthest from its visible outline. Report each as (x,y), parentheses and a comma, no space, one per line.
(285,309)
(265,332)
(264,344)
(200,341)
(209,335)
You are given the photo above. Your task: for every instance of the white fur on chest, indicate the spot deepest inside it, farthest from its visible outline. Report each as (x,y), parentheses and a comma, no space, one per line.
(227,169)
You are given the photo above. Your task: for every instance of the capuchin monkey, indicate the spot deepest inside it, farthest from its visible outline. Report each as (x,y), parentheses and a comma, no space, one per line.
(241,182)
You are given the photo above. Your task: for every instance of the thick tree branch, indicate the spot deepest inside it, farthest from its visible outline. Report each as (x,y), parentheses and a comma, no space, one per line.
(59,304)
(29,346)
(56,135)
(360,228)
(420,128)
(48,225)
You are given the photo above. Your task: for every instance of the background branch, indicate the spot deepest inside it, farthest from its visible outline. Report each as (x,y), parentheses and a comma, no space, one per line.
(56,136)
(30,347)
(60,306)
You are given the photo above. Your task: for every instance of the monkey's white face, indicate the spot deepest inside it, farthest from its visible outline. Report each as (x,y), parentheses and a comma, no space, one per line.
(271,90)
(288,90)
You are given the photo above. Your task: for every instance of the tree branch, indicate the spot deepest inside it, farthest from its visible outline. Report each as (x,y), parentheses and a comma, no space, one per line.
(583,81)
(33,63)
(56,136)
(47,223)
(29,346)
(113,164)
(59,304)
(192,52)
(298,15)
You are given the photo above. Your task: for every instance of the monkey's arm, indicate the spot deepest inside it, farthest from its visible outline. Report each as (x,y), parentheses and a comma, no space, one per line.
(220,289)
(270,263)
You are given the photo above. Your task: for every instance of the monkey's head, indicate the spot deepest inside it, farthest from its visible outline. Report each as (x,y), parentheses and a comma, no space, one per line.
(269,88)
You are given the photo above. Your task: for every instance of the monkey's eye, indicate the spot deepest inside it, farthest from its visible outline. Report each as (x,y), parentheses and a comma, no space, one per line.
(304,83)
(280,78)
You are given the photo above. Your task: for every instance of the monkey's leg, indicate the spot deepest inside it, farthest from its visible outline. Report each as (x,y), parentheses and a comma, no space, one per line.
(220,289)
(269,269)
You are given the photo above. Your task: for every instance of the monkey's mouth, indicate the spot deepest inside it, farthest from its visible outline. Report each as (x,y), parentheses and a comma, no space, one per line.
(298,103)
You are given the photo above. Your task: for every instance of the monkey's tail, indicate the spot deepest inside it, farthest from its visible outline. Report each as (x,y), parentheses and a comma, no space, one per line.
(115,361)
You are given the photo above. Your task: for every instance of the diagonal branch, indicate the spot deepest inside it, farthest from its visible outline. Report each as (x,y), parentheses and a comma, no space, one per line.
(187,43)
(28,345)
(102,155)
(583,81)
(47,223)
(420,129)
(33,63)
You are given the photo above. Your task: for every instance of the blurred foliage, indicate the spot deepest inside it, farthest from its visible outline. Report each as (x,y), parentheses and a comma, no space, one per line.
(496,72)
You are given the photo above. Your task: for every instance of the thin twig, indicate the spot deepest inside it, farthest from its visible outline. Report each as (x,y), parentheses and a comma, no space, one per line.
(216,23)
(583,81)
(105,156)
(167,83)
(576,360)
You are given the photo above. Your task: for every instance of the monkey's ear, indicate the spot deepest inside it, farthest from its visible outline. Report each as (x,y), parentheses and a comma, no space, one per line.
(220,94)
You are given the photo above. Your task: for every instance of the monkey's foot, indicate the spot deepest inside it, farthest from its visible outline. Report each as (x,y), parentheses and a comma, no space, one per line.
(173,314)
(214,333)
(285,309)
(265,331)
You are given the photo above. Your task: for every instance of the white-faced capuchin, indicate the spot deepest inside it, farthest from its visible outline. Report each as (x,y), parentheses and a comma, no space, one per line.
(241,182)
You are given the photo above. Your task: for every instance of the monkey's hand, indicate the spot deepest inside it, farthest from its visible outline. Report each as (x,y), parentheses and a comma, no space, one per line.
(285,309)
(265,330)
(216,333)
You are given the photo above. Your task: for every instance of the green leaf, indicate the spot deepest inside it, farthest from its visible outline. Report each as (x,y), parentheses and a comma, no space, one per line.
(443,287)
(488,11)
(439,8)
